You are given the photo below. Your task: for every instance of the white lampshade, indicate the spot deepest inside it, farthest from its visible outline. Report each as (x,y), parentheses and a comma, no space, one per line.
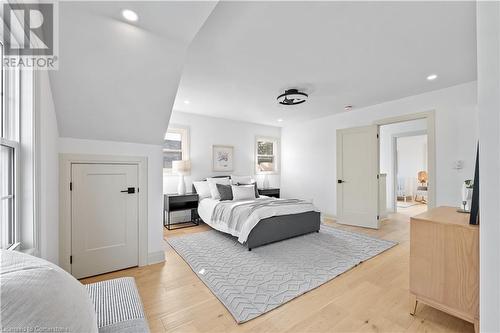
(181,167)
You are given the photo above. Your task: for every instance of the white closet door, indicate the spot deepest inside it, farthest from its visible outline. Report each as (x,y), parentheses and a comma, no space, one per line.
(104,218)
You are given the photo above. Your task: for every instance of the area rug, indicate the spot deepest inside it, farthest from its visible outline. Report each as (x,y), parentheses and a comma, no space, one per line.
(407,204)
(251,283)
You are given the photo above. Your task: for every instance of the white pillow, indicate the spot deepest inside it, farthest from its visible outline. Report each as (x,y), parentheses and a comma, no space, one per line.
(235,180)
(245,192)
(202,189)
(212,184)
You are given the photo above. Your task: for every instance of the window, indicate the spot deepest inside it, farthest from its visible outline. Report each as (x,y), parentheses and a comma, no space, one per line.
(175,146)
(9,153)
(266,155)
(7,228)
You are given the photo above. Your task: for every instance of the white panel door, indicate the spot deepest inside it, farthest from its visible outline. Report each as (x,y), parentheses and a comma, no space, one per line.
(357,181)
(104,218)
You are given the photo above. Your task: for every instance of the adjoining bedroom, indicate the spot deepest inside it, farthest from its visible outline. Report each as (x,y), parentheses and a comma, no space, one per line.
(404,167)
(250,166)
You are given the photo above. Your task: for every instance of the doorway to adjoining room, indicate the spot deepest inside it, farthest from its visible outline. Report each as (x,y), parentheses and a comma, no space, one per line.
(404,163)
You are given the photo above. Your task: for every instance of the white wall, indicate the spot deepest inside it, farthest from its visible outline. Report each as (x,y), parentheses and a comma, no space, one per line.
(48,171)
(207,131)
(412,155)
(386,151)
(315,140)
(488,36)
(155,197)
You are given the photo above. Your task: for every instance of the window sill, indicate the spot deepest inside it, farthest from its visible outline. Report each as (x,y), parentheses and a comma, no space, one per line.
(14,247)
(171,174)
(17,247)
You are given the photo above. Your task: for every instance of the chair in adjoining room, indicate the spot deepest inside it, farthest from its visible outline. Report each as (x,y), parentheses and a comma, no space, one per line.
(422,188)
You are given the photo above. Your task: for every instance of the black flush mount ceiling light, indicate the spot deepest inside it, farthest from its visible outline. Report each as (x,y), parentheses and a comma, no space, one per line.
(292,97)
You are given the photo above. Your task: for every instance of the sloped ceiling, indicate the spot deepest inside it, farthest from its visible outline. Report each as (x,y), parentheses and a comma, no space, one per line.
(341,53)
(117,81)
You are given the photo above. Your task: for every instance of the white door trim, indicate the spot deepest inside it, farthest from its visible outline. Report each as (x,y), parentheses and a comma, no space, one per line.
(431,146)
(65,162)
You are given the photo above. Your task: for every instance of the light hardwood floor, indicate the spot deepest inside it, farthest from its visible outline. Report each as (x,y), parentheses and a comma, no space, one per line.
(372,297)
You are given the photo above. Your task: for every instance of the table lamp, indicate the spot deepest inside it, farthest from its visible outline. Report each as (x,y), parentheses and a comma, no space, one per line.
(181,168)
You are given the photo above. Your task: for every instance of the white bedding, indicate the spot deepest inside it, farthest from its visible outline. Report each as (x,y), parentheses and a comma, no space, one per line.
(207,206)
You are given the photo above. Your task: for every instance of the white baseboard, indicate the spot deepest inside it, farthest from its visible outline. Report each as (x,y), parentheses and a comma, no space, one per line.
(325,216)
(156,257)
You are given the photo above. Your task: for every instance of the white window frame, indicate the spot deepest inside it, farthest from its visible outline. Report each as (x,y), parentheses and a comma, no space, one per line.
(15,145)
(20,136)
(276,155)
(184,132)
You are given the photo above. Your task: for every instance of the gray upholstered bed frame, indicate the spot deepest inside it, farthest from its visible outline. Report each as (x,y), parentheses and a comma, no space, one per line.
(278,228)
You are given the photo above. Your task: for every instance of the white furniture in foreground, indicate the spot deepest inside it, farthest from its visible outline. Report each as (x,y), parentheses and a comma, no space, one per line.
(37,294)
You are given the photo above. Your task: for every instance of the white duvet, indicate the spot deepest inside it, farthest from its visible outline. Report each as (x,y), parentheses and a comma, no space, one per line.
(242,223)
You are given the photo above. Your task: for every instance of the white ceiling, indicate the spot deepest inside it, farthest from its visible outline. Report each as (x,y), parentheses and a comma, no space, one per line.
(117,81)
(359,53)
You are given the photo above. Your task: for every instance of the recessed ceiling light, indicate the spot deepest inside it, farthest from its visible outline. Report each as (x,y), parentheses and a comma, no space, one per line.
(432,77)
(130,15)
(348,107)
(279,120)
(186,102)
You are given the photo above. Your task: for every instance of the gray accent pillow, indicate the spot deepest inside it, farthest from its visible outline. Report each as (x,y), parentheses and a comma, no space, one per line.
(225,191)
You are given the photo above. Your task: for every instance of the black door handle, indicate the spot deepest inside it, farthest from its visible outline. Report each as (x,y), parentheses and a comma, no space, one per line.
(129,190)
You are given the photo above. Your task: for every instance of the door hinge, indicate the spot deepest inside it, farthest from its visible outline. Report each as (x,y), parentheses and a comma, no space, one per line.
(377,176)
(70,260)
(377,136)
(137,190)
(378,217)
(71,186)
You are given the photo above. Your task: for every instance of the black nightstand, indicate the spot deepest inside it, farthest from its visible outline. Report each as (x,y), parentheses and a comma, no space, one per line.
(270,192)
(179,202)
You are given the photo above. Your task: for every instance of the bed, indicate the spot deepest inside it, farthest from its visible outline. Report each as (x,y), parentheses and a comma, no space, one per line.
(280,219)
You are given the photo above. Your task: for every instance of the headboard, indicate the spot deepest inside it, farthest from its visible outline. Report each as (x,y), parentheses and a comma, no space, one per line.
(194,189)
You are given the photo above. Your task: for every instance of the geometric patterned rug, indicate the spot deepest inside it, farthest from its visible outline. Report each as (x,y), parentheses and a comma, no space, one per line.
(251,283)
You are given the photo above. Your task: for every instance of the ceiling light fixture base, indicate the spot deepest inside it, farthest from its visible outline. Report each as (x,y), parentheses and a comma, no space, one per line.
(292,97)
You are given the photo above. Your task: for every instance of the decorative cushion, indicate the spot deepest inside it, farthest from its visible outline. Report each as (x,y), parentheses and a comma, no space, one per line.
(202,189)
(225,192)
(38,294)
(212,183)
(257,195)
(243,192)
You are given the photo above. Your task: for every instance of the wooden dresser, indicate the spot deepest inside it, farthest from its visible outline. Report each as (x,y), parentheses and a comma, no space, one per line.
(444,263)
